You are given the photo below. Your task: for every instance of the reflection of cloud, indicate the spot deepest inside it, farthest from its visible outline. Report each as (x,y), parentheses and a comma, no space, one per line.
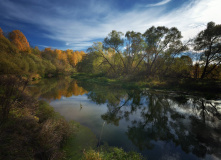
(80,26)
(159,3)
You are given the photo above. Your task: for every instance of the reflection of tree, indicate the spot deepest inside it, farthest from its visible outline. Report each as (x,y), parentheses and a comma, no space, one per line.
(192,123)
(153,126)
(56,88)
(116,99)
(116,113)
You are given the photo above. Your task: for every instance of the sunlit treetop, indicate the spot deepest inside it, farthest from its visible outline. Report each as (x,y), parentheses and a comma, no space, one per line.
(1,32)
(19,40)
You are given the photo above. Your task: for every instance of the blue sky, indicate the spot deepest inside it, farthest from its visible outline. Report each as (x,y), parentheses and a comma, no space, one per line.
(76,24)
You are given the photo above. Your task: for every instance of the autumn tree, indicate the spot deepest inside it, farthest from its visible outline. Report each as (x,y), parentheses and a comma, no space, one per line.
(36,51)
(1,32)
(19,40)
(5,45)
(208,44)
(100,61)
(81,56)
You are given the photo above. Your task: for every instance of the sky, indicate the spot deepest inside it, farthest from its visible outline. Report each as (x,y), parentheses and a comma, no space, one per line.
(76,24)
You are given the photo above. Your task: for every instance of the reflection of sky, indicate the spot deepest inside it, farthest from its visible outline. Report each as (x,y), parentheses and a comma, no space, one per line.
(90,116)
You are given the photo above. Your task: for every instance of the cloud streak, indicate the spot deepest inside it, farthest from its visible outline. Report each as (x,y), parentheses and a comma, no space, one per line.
(159,3)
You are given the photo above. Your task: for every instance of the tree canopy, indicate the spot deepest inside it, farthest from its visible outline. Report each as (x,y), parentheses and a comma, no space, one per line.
(19,40)
(208,43)
(17,57)
(157,53)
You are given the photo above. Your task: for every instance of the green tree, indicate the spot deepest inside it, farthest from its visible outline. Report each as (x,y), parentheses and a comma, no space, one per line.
(134,47)
(115,41)
(208,43)
(161,41)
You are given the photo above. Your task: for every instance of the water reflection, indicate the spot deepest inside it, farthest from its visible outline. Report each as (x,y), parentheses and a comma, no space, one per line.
(55,88)
(161,125)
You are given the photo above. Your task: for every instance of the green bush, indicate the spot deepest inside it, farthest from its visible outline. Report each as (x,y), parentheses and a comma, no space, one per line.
(113,153)
(29,129)
(45,111)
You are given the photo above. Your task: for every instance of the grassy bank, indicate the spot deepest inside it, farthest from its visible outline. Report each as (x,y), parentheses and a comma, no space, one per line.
(82,144)
(33,133)
(81,140)
(184,85)
(111,153)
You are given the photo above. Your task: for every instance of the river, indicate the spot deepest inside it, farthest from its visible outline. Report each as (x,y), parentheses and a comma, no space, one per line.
(159,124)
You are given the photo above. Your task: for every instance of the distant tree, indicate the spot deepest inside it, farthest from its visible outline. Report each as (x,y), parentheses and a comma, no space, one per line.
(208,43)
(196,71)
(19,40)
(36,51)
(6,46)
(181,67)
(74,57)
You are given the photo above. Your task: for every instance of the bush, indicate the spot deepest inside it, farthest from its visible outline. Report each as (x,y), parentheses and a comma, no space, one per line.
(113,153)
(45,111)
(29,129)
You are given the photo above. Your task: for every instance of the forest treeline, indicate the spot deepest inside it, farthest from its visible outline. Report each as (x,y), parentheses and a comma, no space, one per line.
(21,59)
(31,129)
(158,53)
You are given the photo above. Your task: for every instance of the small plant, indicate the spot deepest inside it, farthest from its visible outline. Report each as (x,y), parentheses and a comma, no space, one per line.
(111,153)
(92,155)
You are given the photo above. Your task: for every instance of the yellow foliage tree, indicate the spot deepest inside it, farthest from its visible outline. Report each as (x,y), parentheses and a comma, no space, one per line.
(61,55)
(74,57)
(19,40)
(1,32)
(70,55)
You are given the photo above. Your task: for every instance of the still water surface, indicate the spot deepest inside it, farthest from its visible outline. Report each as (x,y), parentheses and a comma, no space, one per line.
(162,125)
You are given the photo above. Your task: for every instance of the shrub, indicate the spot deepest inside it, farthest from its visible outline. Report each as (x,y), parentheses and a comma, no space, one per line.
(28,129)
(113,153)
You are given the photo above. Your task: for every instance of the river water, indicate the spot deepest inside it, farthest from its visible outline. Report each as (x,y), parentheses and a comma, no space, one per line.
(161,125)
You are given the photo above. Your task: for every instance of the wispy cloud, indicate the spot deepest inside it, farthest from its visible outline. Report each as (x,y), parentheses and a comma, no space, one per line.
(77,28)
(159,3)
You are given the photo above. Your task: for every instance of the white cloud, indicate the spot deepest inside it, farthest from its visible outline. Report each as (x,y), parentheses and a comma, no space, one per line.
(193,17)
(159,3)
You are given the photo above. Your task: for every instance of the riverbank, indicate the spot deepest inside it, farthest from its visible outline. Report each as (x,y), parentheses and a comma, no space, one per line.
(83,145)
(205,87)
(31,129)
(81,140)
